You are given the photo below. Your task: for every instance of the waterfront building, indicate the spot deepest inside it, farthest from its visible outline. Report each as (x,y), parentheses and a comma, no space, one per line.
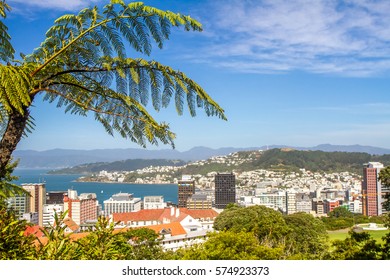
(186,188)
(225,189)
(154,202)
(372,189)
(81,208)
(121,203)
(36,200)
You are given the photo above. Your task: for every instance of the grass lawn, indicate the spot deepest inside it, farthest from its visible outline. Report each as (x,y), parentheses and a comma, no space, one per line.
(342,234)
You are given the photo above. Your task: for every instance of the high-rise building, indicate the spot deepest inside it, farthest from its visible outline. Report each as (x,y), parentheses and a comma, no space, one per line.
(186,188)
(37,199)
(81,208)
(121,203)
(372,189)
(225,189)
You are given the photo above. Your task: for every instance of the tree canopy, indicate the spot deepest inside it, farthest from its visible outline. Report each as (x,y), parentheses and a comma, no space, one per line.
(83,67)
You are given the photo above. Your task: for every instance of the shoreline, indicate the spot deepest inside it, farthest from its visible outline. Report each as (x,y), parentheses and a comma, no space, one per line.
(124,183)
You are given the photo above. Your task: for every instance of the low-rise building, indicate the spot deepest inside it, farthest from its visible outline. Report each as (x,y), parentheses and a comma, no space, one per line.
(121,203)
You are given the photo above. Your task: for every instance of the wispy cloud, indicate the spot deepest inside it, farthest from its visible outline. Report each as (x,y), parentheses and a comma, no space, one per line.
(361,109)
(340,37)
(64,5)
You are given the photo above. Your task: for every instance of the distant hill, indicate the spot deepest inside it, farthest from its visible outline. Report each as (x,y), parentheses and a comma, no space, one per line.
(289,159)
(316,160)
(64,158)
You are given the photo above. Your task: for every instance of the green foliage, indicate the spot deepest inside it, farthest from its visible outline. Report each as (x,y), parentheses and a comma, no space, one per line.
(14,245)
(267,224)
(6,50)
(359,246)
(228,245)
(384,177)
(340,212)
(281,159)
(57,244)
(145,244)
(7,188)
(307,238)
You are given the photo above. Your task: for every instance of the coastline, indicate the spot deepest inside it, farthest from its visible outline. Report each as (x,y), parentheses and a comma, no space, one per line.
(124,183)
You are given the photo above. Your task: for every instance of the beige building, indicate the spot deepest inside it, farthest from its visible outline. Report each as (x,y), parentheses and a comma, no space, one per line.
(37,199)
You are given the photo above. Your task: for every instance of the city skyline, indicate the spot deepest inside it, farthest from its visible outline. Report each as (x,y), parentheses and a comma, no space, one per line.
(298,74)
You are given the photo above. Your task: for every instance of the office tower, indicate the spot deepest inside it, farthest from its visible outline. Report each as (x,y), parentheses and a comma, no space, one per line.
(186,188)
(225,190)
(37,199)
(372,189)
(81,208)
(121,203)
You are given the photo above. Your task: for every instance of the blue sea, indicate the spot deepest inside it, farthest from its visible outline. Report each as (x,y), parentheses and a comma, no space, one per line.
(103,190)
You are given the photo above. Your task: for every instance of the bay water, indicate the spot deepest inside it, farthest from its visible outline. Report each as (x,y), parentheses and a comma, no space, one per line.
(103,191)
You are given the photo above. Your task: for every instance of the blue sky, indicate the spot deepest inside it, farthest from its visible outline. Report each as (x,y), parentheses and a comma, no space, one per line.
(297,73)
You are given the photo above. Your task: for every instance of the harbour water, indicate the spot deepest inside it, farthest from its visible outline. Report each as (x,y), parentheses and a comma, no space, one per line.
(103,190)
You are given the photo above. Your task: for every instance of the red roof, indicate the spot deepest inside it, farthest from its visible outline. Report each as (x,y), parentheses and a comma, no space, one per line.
(36,230)
(163,215)
(174,228)
(200,213)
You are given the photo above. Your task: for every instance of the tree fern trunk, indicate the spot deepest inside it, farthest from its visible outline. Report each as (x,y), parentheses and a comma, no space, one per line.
(11,137)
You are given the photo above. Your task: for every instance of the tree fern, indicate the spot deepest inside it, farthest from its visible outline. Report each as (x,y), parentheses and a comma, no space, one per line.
(83,66)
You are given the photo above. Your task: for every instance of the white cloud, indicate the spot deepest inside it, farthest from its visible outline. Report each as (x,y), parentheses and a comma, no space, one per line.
(350,38)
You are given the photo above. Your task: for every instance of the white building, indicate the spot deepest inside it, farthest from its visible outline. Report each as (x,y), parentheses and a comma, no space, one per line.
(356,206)
(275,200)
(49,211)
(154,202)
(121,203)
(291,202)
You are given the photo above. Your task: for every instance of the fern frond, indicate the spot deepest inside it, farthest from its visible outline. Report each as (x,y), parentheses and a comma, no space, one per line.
(6,49)
(15,85)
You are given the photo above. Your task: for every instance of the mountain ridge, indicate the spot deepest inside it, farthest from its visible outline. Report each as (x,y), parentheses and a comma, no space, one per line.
(62,158)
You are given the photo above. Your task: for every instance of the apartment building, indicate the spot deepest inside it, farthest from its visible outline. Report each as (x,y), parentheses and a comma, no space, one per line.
(81,208)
